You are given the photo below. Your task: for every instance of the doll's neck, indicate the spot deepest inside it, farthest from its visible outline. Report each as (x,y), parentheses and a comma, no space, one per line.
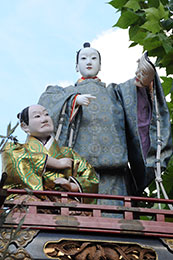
(82,79)
(44,140)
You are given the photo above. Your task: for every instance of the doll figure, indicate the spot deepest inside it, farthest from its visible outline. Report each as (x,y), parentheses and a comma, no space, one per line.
(114,127)
(40,164)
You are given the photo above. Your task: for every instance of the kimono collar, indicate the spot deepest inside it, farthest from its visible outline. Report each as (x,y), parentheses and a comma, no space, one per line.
(82,79)
(48,144)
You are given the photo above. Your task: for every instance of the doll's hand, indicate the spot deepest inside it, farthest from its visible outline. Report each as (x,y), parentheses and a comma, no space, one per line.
(84,99)
(63,183)
(66,184)
(65,163)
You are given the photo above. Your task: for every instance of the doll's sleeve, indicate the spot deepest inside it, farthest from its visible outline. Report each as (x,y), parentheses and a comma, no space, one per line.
(23,167)
(85,175)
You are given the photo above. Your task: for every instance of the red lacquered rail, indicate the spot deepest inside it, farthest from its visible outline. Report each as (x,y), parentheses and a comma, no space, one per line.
(127,217)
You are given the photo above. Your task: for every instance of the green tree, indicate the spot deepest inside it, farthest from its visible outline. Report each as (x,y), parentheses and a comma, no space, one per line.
(150,24)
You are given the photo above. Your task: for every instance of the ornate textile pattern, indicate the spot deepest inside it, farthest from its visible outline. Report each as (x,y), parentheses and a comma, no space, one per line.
(106,132)
(143,169)
(99,129)
(25,167)
(96,250)
(100,137)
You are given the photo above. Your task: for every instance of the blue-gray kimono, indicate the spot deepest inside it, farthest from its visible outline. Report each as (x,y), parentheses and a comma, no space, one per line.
(106,132)
(142,164)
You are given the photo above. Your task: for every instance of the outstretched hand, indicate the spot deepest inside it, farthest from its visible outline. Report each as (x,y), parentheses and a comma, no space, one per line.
(84,99)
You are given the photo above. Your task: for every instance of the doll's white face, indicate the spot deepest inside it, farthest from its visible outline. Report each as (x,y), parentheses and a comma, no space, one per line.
(144,74)
(88,63)
(40,123)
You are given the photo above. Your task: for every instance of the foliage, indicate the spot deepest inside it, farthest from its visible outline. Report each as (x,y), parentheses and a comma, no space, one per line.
(5,212)
(14,232)
(8,136)
(150,24)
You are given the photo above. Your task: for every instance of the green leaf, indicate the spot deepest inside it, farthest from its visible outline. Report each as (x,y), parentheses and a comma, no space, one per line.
(153,3)
(132,44)
(167,84)
(137,34)
(164,2)
(170,5)
(156,13)
(170,106)
(150,44)
(167,24)
(164,60)
(168,177)
(154,16)
(152,26)
(167,45)
(127,18)
(133,4)
(118,4)
(19,226)
(3,140)
(14,128)
(8,129)
(152,187)
(169,70)
(166,42)
(168,58)
(157,52)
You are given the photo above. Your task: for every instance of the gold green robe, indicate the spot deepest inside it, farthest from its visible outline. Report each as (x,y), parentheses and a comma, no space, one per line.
(25,165)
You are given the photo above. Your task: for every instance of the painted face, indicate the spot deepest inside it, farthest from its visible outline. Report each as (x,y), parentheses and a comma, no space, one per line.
(88,63)
(40,123)
(145,73)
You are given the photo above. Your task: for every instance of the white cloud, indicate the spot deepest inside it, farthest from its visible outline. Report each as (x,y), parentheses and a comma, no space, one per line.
(118,61)
(65,83)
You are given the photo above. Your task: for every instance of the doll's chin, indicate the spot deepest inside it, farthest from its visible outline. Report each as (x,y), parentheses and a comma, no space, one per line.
(138,84)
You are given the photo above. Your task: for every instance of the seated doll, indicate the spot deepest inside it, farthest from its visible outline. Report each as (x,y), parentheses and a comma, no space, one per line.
(40,164)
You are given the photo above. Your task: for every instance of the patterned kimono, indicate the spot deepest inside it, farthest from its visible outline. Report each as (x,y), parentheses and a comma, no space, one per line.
(99,132)
(25,166)
(141,128)
(106,132)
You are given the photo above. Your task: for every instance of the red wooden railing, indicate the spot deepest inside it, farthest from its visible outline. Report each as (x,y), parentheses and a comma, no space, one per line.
(132,217)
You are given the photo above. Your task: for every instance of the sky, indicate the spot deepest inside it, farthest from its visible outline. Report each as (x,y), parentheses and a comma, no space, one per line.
(38,44)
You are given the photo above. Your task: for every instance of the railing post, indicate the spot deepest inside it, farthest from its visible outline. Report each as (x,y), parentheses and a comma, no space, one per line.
(64,199)
(32,210)
(160,217)
(97,213)
(128,204)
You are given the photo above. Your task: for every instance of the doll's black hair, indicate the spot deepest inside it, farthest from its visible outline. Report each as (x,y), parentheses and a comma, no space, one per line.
(24,116)
(86,45)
